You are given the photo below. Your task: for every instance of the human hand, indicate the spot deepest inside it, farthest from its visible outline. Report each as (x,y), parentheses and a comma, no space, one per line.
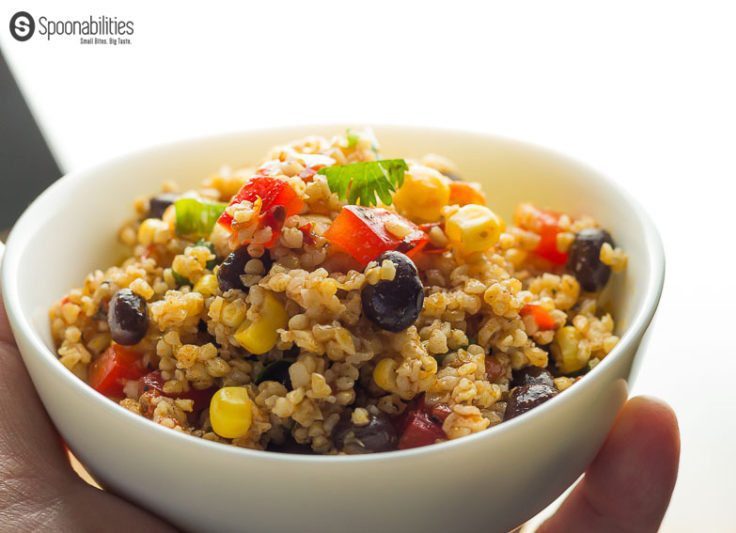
(626,488)
(39,491)
(628,485)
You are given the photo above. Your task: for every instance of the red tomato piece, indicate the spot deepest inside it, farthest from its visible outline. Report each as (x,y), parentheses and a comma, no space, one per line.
(361,232)
(278,201)
(109,373)
(541,316)
(421,430)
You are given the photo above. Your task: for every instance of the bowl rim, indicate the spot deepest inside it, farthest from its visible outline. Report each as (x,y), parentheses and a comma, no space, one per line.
(22,326)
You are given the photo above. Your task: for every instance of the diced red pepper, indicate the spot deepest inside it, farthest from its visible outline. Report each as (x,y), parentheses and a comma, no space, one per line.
(547,225)
(110,372)
(439,411)
(421,430)
(306,230)
(541,316)
(361,232)
(427,247)
(464,193)
(278,201)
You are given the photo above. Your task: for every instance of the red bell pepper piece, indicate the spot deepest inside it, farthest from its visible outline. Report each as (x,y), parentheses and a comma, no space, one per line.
(278,201)
(361,232)
(464,193)
(547,225)
(421,430)
(306,230)
(109,373)
(541,316)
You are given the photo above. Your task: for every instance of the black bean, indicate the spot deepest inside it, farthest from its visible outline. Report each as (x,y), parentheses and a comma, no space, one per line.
(292,352)
(394,305)
(290,446)
(276,371)
(532,375)
(233,267)
(127,317)
(379,435)
(527,397)
(584,260)
(158,204)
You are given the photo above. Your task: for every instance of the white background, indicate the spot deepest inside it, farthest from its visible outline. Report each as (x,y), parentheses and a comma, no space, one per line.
(644,91)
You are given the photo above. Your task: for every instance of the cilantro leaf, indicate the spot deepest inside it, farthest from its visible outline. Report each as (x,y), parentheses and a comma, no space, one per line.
(361,183)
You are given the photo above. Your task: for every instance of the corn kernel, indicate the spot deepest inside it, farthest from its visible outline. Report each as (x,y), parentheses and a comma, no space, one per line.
(207,285)
(151,230)
(231,412)
(565,350)
(385,374)
(473,228)
(260,336)
(423,195)
(141,287)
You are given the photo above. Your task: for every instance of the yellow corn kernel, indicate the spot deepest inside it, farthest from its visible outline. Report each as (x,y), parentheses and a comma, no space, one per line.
(473,228)
(423,195)
(261,335)
(207,285)
(231,412)
(385,374)
(565,350)
(233,313)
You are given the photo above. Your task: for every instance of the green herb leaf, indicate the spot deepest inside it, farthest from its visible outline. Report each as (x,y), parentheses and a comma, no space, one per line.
(197,217)
(361,183)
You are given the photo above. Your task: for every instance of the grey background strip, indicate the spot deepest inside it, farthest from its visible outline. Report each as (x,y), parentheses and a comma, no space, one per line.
(26,164)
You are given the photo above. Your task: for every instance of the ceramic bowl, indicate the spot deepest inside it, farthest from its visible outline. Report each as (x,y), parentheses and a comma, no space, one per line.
(490,481)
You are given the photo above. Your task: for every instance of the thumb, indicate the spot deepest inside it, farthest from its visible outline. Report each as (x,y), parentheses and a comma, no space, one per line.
(629,484)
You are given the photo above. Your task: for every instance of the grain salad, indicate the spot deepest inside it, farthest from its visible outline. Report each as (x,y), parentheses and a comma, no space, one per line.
(332,301)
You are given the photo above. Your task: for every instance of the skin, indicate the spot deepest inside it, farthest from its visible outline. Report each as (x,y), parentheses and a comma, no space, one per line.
(627,488)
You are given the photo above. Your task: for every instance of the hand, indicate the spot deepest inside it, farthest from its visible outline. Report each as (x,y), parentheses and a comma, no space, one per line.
(626,488)
(628,485)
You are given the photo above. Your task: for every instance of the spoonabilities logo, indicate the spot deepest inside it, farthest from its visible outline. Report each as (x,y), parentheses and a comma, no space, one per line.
(22,26)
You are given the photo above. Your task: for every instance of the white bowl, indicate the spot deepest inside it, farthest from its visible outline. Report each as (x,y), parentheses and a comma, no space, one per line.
(490,481)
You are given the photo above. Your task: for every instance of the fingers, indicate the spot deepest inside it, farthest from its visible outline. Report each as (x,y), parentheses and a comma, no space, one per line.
(6,335)
(38,489)
(629,484)
(29,444)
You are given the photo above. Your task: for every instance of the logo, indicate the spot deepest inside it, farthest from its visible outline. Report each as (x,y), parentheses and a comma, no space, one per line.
(92,29)
(22,26)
